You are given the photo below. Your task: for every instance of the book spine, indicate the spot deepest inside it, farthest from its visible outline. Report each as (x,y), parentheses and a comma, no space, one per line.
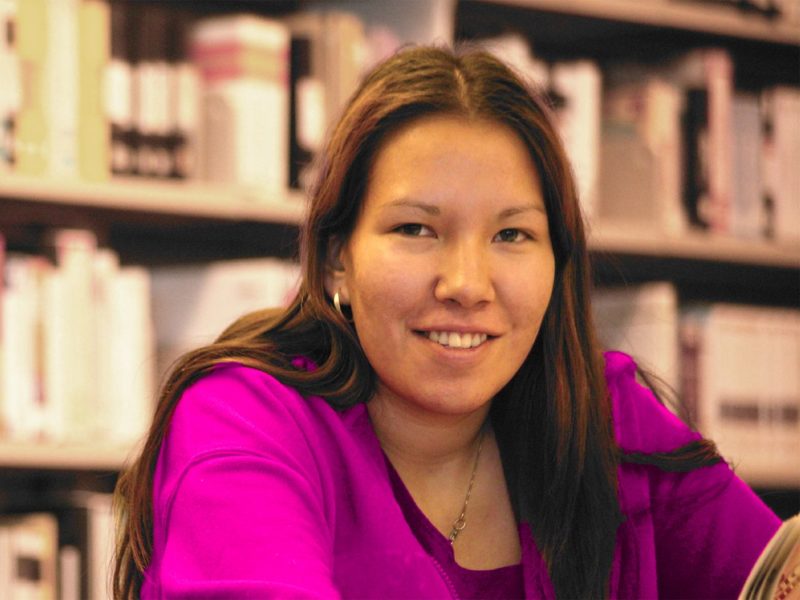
(10,93)
(118,91)
(244,68)
(61,87)
(32,129)
(94,144)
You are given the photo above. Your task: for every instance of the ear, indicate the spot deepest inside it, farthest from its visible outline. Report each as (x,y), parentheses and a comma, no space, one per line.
(335,271)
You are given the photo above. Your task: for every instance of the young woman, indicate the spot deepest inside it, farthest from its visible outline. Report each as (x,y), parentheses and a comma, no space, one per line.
(432,416)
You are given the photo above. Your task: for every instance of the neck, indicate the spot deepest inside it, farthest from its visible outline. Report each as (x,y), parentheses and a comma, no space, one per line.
(418,440)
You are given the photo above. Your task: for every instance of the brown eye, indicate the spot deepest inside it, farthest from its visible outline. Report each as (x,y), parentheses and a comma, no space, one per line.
(413,230)
(510,235)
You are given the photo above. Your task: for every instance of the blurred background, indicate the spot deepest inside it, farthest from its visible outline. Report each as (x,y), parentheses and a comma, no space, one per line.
(154,162)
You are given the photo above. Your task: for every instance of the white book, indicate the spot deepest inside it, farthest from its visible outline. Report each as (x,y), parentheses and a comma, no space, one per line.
(69,317)
(580,83)
(192,305)
(243,62)
(132,361)
(61,81)
(642,321)
(22,378)
(783,176)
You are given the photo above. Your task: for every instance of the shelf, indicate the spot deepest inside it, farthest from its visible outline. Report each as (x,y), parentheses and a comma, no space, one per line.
(682,15)
(632,240)
(31,455)
(167,198)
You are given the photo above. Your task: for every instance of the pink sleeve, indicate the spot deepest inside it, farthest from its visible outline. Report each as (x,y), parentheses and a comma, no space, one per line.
(245,526)
(240,501)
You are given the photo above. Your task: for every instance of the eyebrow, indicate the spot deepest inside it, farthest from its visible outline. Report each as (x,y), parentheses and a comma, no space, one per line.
(436,211)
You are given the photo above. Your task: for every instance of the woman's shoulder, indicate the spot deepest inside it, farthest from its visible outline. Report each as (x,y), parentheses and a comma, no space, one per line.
(233,407)
(641,422)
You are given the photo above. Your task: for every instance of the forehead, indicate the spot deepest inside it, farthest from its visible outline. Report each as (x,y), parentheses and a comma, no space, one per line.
(446,157)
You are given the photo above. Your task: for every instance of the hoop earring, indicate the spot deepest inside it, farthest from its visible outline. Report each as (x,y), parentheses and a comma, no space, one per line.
(337,304)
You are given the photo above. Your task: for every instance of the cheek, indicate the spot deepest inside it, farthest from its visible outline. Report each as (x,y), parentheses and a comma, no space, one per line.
(382,288)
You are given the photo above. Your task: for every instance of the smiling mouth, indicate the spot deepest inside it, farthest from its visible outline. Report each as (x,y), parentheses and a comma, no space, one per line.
(455,340)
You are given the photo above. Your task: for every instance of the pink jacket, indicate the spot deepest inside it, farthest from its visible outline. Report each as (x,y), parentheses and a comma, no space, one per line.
(260,493)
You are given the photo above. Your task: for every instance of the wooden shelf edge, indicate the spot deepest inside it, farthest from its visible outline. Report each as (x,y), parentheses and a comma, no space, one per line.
(726,21)
(192,199)
(616,239)
(66,456)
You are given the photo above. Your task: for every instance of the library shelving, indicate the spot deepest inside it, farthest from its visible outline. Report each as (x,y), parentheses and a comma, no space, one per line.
(153,223)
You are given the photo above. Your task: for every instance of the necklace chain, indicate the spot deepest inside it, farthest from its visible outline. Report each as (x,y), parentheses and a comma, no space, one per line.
(461,520)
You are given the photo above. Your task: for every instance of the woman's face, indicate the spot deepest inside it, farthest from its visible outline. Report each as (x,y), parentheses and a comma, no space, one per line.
(450,268)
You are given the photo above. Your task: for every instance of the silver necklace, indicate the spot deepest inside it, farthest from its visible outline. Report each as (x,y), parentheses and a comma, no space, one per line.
(461,521)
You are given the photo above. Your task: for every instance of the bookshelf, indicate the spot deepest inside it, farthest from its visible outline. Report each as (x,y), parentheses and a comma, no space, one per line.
(191,200)
(705,19)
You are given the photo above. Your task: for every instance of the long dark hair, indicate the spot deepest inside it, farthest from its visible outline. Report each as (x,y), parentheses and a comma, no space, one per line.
(552,420)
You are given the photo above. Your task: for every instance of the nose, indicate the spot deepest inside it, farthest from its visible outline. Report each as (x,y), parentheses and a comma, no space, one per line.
(464,274)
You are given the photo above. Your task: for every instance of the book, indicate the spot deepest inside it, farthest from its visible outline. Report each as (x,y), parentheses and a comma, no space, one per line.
(748,216)
(21,329)
(642,321)
(118,91)
(781,107)
(243,61)
(61,89)
(31,141)
(10,91)
(740,370)
(28,555)
(707,76)
(640,158)
(94,53)
(152,75)
(69,324)
(193,304)
(579,83)
(338,55)
(776,574)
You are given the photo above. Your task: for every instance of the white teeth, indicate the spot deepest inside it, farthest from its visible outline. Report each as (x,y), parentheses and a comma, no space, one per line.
(453,339)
